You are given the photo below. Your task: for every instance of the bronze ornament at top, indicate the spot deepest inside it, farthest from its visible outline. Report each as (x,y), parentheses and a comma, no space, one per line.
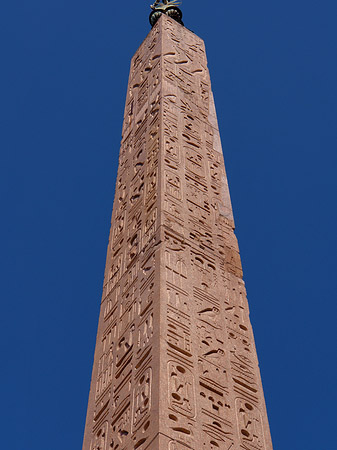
(168,7)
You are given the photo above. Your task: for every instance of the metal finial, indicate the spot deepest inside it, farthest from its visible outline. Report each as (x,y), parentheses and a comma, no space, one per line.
(168,7)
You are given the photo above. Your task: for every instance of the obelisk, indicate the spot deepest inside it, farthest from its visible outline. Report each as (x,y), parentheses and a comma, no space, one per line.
(175,364)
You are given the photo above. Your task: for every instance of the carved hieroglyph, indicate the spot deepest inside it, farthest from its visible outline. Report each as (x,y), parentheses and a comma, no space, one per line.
(175,362)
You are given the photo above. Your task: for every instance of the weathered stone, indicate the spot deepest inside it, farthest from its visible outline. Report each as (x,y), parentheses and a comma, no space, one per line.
(175,362)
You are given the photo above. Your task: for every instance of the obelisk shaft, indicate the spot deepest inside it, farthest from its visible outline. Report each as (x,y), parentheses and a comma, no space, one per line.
(175,362)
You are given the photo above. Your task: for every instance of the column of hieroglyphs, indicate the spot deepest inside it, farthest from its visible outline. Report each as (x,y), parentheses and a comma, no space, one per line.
(123,401)
(215,398)
(175,362)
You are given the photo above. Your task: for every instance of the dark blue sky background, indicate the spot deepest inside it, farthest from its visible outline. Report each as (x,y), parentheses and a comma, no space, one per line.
(64,70)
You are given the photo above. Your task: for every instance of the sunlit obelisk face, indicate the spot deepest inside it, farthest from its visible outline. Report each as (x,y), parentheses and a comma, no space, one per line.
(175,362)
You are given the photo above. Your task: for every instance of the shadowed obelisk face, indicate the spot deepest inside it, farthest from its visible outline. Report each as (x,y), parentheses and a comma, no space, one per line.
(175,362)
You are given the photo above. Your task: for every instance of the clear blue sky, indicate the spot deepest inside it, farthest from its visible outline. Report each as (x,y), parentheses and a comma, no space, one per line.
(64,70)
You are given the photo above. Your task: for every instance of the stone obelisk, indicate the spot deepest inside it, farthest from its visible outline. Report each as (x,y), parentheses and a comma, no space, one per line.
(175,363)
